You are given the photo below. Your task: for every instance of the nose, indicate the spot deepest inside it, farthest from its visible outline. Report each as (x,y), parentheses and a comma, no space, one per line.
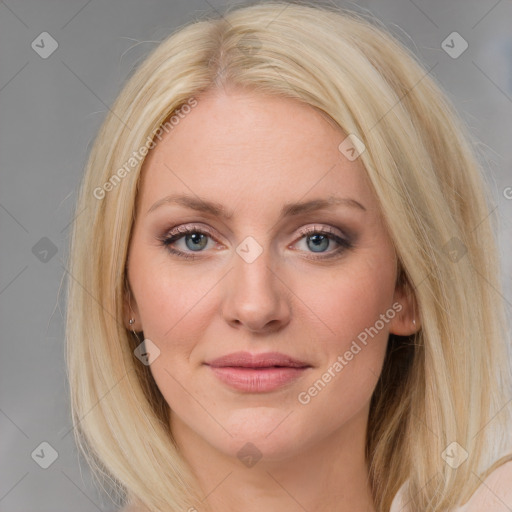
(256,296)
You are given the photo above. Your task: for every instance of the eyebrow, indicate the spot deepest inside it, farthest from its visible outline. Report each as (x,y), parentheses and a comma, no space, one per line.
(288,210)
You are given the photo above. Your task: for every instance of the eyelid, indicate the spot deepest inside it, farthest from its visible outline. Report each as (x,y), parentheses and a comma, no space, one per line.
(344,241)
(325,229)
(184,229)
(187,228)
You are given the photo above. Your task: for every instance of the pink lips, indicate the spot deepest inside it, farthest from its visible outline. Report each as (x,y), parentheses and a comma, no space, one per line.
(257,373)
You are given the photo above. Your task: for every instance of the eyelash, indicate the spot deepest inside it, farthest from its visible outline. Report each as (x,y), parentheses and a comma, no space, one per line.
(177,234)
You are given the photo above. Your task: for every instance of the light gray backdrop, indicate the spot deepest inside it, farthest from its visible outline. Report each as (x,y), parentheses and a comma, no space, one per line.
(52,101)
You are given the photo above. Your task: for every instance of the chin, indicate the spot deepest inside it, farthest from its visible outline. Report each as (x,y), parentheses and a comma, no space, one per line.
(269,432)
(262,450)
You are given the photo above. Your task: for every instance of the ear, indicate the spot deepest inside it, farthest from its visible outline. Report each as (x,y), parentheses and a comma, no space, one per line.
(130,310)
(407,321)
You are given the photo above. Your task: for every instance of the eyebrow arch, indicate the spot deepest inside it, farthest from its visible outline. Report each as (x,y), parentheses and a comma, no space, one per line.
(289,209)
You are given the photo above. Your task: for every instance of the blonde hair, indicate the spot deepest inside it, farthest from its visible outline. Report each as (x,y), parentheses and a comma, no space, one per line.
(446,384)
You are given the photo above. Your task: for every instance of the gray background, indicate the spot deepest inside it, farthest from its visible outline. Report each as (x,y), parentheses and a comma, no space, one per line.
(51,109)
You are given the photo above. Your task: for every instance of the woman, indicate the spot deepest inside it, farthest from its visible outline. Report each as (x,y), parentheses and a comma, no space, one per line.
(283,294)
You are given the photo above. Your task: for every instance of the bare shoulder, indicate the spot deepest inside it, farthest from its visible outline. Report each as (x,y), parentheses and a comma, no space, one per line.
(494,493)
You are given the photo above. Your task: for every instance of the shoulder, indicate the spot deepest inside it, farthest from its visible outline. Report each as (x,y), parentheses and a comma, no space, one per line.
(494,494)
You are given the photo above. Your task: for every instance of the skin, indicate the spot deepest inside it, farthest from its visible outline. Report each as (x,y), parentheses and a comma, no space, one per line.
(254,153)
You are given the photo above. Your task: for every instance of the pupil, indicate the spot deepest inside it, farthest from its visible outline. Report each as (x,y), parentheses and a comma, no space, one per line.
(199,241)
(317,241)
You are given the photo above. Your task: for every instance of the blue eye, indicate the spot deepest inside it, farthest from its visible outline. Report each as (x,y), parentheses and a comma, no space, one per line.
(319,239)
(196,240)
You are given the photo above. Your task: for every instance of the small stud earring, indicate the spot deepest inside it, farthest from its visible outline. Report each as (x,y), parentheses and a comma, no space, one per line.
(414,322)
(131,321)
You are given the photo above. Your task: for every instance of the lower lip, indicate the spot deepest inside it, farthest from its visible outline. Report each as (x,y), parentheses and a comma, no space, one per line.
(257,380)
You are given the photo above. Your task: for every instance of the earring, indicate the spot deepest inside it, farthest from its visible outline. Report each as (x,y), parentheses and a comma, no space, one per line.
(414,322)
(131,322)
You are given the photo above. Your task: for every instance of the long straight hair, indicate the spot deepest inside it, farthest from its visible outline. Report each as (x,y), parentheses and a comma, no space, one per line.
(449,383)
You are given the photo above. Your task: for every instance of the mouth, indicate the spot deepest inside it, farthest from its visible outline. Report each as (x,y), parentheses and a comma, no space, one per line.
(257,373)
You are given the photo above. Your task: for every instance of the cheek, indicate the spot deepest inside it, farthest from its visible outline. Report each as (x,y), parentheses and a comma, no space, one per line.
(357,306)
(169,299)
(175,307)
(349,300)
(343,387)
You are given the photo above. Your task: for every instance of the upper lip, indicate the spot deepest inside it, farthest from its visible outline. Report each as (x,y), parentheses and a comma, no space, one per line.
(265,360)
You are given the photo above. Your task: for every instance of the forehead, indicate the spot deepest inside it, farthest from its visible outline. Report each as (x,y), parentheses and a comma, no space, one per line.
(248,148)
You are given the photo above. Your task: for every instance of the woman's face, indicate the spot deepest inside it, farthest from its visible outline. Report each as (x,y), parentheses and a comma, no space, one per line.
(287,273)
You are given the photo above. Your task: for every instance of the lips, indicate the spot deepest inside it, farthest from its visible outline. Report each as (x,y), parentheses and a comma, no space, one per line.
(257,373)
(248,360)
